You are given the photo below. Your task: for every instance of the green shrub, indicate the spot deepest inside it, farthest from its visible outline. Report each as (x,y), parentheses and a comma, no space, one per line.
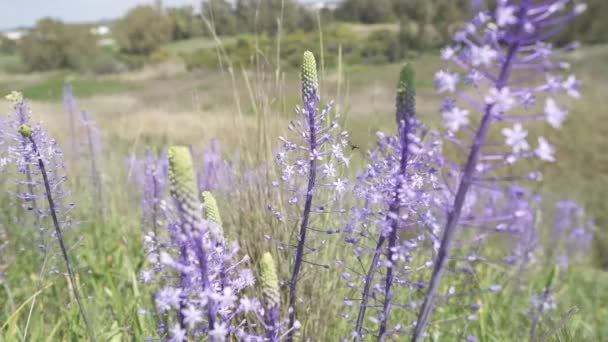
(107,63)
(53,45)
(142,30)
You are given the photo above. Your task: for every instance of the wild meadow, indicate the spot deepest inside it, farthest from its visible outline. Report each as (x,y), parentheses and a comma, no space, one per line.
(457,196)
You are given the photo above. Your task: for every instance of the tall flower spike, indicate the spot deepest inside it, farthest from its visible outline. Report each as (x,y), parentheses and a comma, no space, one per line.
(396,188)
(311,181)
(71,108)
(29,134)
(311,101)
(509,66)
(94,146)
(151,175)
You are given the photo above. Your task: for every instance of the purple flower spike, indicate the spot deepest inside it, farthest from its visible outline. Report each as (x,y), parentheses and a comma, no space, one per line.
(71,109)
(311,178)
(398,188)
(94,153)
(510,68)
(39,159)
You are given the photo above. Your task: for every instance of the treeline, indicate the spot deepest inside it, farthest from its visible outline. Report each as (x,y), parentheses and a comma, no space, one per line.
(406,26)
(445,16)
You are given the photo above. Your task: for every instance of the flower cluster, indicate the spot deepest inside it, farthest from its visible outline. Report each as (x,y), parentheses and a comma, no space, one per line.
(94,154)
(505,68)
(572,232)
(395,227)
(27,148)
(71,111)
(311,179)
(38,159)
(201,280)
(215,173)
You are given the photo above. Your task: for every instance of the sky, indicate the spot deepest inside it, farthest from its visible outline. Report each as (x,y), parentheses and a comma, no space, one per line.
(15,13)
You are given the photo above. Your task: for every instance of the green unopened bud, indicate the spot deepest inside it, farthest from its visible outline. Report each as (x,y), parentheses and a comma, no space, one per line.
(270,281)
(406,94)
(212,212)
(14,96)
(25,131)
(310,82)
(183,180)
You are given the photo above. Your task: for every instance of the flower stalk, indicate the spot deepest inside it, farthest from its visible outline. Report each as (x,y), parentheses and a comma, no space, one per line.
(311,101)
(27,132)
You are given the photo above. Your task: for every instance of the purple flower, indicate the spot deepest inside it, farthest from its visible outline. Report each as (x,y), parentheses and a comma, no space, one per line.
(201,278)
(94,154)
(310,178)
(39,160)
(493,47)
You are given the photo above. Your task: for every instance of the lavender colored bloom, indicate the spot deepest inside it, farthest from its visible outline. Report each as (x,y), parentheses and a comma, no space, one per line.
(38,158)
(572,233)
(397,188)
(153,179)
(201,280)
(71,109)
(94,154)
(510,39)
(215,173)
(310,179)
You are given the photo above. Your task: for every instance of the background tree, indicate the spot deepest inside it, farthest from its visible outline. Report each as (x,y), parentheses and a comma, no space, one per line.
(51,44)
(592,27)
(222,15)
(142,30)
(261,16)
(184,24)
(350,10)
(449,16)
(7,46)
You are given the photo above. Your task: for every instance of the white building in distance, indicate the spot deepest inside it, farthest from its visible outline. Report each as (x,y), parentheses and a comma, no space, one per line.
(323,4)
(15,34)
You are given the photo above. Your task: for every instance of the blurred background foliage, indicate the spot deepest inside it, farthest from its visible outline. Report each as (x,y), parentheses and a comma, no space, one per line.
(365,31)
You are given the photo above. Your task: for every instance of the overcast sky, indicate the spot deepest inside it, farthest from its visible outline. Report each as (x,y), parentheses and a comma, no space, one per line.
(15,13)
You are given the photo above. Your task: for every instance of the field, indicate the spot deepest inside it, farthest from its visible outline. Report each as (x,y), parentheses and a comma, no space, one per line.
(246,111)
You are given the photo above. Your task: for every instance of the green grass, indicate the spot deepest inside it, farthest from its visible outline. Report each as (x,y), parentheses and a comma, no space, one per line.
(51,89)
(193,108)
(193,44)
(11,63)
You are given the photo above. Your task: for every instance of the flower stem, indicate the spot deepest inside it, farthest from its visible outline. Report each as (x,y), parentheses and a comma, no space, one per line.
(59,235)
(454,215)
(312,174)
(368,284)
(404,129)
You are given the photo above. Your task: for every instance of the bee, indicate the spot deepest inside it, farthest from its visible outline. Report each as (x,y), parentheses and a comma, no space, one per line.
(352,145)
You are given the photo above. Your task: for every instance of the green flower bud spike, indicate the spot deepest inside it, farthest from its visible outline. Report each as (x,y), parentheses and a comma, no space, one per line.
(310,82)
(406,94)
(25,131)
(183,183)
(270,281)
(212,212)
(14,96)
